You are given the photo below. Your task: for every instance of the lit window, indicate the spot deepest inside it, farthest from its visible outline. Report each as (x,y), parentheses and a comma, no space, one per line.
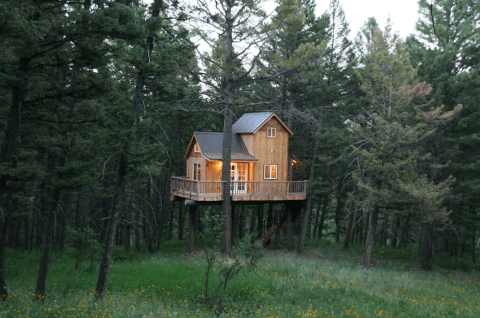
(197,148)
(197,171)
(271,132)
(270,172)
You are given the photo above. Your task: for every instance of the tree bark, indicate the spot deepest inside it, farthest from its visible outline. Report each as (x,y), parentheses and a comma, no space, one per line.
(102,280)
(180,220)
(233,224)
(241,222)
(51,208)
(308,206)
(289,208)
(317,215)
(126,236)
(338,212)
(395,231)
(383,241)
(148,212)
(3,257)
(426,247)
(404,234)
(260,221)
(367,256)
(252,222)
(191,228)
(228,92)
(349,233)
(136,221)
(323,217)
(474,257)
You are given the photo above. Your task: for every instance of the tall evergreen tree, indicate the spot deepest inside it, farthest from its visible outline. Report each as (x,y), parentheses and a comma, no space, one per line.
(238,26)
(390,134)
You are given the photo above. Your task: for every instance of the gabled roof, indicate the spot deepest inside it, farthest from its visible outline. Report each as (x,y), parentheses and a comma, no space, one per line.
(211,143)
(251,122)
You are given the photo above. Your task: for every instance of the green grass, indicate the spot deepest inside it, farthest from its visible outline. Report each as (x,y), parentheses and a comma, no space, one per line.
(325,282)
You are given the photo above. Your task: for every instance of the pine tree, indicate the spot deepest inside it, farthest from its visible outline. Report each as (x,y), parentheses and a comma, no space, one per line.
(238,26)
(445,52)
(390,134)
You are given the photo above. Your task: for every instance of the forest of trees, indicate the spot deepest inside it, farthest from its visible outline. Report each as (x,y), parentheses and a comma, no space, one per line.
(99,100)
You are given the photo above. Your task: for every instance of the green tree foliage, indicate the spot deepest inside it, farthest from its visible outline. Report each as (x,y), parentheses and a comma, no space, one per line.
(445,50)
(390,136)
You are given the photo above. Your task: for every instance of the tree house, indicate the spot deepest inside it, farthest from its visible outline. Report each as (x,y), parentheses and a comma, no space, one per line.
(259,164)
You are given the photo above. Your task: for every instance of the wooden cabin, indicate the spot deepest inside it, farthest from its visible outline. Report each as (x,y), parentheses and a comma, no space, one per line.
(259,163)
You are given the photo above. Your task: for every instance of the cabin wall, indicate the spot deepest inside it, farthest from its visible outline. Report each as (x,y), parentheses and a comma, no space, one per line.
(214,170)
(248,140)
(271,151)
(195,157)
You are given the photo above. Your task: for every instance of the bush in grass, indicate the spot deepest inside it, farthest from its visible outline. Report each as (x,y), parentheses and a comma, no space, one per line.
(248,254)
(457,263)
(85,245)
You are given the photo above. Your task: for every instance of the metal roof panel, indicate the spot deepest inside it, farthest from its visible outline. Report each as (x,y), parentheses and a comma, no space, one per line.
(250,122)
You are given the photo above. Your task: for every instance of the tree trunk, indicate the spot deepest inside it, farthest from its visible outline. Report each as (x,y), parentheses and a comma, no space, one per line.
(241,221)
(260,221)
(269,220)
(367,222)
(367,256)
(308,206)
(338,213)
(3,257)
(323,217)
(102,280)
(170,224)
(349,233)
(317,215)
(383,241)
(233,224)
(404,234)
(228,91)
(26,229)
(395,231)
(474,257)
(126,237)
(148,213)
(136,221)
(180,220)
(251,229)
(191,228)
(426,247)
(51,208)
(289,208)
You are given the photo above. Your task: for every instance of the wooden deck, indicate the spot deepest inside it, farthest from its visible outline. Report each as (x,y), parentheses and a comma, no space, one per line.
(240,191)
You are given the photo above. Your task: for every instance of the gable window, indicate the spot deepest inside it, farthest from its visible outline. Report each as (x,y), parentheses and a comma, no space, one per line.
(197,171)
(271,132)
(270,172)
(197,148)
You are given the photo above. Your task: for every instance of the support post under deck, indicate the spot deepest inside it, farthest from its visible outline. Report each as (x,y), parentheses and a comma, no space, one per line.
(191,236)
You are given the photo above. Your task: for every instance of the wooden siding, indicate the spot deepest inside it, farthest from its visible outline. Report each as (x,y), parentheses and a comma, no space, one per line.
(214,170)
(196,157)
(271,151)
(248,140)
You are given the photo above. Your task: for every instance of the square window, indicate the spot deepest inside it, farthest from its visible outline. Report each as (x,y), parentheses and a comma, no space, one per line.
(271,132)
(197,148)
(270,172)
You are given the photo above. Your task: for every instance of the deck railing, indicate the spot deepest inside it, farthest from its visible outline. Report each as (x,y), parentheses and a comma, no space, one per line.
(242,190)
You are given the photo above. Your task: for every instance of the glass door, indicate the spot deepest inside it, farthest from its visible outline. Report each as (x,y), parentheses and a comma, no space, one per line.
(238,176)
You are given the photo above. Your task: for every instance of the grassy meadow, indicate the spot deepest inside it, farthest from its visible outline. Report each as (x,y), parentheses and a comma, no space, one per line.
(324,282)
